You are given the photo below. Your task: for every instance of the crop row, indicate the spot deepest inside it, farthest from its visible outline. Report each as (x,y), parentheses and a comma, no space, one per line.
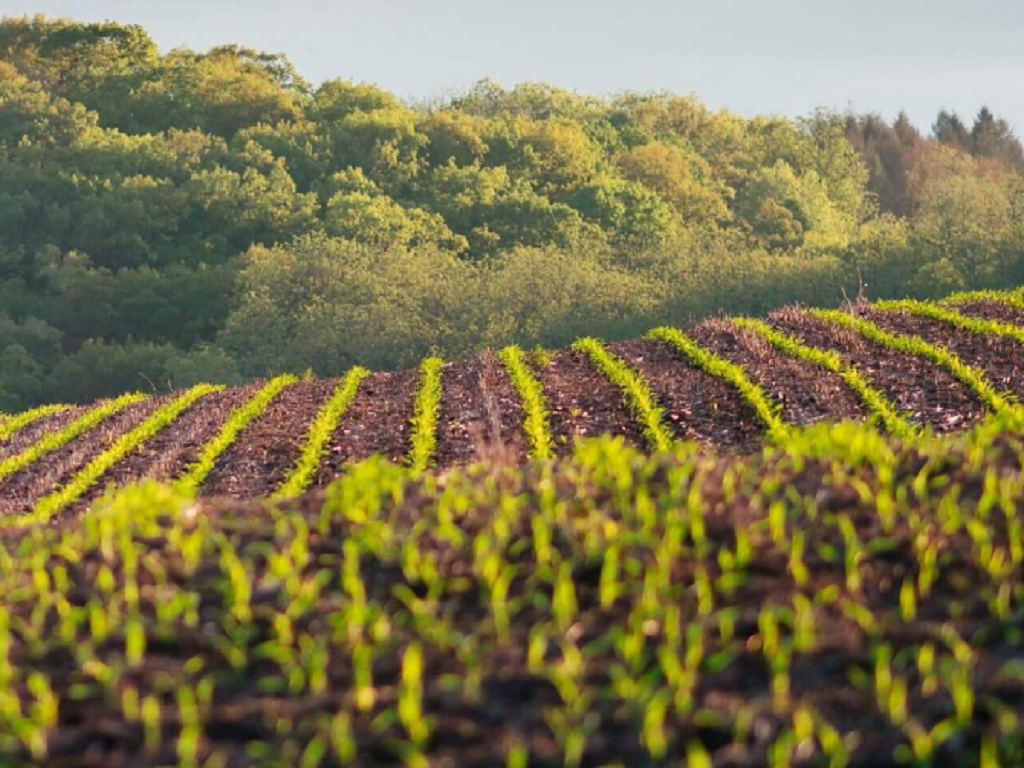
(584,612)
(1013,298)
(426,415)
(973,324)
(531,394)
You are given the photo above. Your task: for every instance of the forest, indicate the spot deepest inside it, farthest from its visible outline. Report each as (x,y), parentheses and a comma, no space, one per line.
(168,218)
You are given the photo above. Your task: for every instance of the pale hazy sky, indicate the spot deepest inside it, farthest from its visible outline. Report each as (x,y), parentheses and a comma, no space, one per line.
(751,56)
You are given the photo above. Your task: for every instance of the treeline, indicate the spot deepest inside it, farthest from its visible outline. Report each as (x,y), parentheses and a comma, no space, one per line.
(170,218)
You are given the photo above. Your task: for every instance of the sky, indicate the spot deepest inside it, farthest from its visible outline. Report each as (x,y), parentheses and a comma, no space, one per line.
(750,56)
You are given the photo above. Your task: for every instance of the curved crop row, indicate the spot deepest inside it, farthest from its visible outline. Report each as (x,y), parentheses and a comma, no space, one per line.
(55,440)
(765,408)
(880,409)
(12,423)
(990,397)
(975,325)
(84,479)
(425,417)
(239,419)
(1015,297)
(635,388)
(320,433)
(531,393)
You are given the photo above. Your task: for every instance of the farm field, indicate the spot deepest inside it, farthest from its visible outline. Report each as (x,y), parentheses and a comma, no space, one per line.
(796,541)
(730,386)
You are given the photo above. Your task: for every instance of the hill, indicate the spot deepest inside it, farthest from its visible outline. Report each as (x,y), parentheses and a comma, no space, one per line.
(724,384)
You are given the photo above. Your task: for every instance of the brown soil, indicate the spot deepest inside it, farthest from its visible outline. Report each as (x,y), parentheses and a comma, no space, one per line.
(1000,358)
(699,406)
(169,453)
(480,414)
(20,492)
(583,403)
(259,460)
(926,392)
(806,392)
(33,432)
(377,421)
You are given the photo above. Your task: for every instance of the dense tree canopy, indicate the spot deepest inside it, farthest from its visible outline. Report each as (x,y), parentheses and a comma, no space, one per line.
(178,216)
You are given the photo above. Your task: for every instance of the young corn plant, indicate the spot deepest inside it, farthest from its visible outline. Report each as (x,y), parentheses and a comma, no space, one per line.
(11,424)
(755,396)
(531,393)
(635,389)
(426,415)
(80,483)
(880,409)
(956,319)
(239,419)
(991,398)
(319,435)
(56,440)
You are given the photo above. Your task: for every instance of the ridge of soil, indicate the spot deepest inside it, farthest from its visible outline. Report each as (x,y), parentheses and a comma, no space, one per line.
(699,406)
(1001,359)
(583,403)
(259,460)
(805,392)
(377,421)
(20,492)
(925,392)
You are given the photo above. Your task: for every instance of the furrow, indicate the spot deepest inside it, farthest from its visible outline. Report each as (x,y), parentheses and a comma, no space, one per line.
(377,423)
(582,402)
